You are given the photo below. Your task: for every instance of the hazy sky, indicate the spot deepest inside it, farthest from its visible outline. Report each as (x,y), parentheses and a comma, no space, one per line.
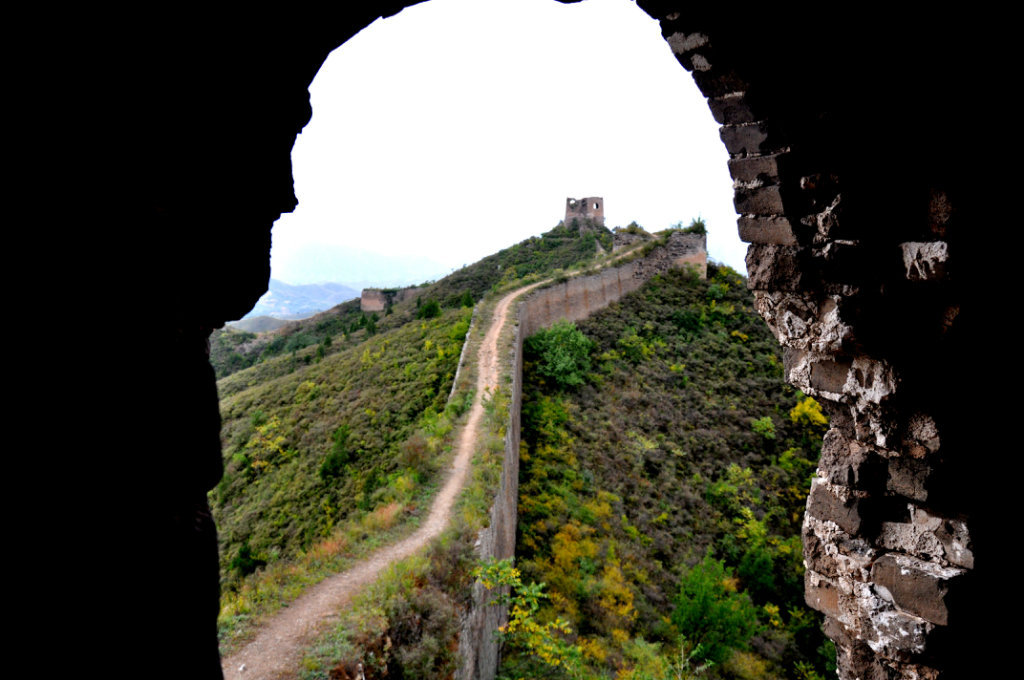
(459,127)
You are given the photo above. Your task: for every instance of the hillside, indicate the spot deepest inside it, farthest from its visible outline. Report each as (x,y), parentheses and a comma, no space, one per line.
(664,469)
(307,449)
(559,248)
(334,433)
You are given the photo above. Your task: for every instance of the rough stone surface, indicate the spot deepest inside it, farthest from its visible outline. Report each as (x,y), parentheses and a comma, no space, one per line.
(764,200)
(776,230)
(731,109)
(835,503)
(915,586)
(773,267)
(682,43)
(830,376)
(849,463)
(896,635)
(801,322)
(909,477)
(832,552)
(821,594)
(762,169)
(925,261)
(621,239)
(583,209)
(929,536)
(749,139)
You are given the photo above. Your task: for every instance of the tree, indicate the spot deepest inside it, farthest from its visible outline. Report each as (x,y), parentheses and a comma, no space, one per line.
(711,612)
(562,352)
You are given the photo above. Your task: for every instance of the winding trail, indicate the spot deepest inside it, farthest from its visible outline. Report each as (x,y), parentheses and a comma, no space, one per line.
(278,648)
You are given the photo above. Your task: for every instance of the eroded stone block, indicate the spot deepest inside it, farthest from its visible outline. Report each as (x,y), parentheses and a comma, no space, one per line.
(870,380)
(849,463)
(764,169)
(832,552)
(775,229)
(929,536)
(922,436)
(749,139)
(925,261)
(731,109)
(830,376)
(821,593)
(835,504)
(773,267)
(897,635)
(916,587)
(909,477)
(682,43)
(802,321)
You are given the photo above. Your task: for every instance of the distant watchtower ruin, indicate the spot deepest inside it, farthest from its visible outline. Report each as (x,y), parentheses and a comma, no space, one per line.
(581,209)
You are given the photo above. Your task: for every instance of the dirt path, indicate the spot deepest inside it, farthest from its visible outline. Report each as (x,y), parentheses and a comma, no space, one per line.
(278,648)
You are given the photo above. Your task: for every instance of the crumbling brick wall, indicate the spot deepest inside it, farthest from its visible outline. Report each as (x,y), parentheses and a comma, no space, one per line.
(590,209)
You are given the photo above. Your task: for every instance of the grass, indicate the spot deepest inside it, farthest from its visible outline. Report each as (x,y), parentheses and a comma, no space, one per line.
(444,581)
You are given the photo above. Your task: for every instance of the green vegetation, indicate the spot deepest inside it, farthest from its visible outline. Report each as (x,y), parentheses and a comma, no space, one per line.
(335,432)
(429,310)
(323,460)
(696,226)
(661,499)
(631,228)
(659,521)
(563,354)
(712,612)
(561,248)
(523,631)
(407,623)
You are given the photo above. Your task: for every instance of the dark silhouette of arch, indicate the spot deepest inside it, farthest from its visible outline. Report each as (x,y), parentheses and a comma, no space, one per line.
(847,134)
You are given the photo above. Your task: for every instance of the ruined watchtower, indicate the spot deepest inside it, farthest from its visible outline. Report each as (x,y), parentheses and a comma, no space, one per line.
(581,209)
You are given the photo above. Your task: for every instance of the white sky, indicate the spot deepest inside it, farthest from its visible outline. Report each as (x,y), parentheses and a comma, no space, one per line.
(459,127)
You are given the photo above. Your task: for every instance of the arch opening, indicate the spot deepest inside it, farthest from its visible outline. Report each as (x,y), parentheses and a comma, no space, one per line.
(832,283)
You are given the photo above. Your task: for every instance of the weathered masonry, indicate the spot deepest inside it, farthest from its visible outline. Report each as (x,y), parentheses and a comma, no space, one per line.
(582,209)
(847,134)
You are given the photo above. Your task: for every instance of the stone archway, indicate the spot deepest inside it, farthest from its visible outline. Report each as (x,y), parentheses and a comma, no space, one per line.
(855,218)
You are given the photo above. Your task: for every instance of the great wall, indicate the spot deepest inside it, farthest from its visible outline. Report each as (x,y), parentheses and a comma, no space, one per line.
(572,300)
(861,231)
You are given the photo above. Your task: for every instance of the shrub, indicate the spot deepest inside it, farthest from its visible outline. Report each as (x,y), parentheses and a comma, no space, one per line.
(808,413)
(764,427)
(711,613)
(339,455)
(563,353)
(429,310)
(245,562)
(697,226)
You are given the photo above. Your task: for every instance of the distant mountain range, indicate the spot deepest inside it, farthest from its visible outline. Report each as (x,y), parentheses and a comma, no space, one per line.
(288,301)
